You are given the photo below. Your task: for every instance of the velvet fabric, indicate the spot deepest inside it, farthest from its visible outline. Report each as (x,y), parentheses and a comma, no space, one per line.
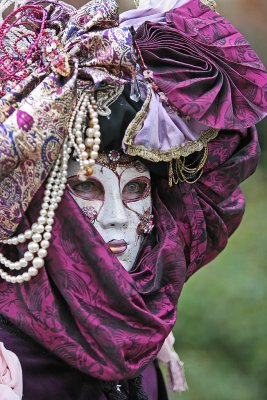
(87,310)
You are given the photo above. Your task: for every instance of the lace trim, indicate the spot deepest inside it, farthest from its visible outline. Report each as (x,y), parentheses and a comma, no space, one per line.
(174,152)
(107,97)
(162,155)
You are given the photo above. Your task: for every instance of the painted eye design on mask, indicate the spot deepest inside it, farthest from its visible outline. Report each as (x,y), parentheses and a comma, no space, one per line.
(136,189)
(91,189)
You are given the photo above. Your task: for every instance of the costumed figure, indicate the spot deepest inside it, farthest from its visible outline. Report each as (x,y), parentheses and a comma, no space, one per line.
(123,141)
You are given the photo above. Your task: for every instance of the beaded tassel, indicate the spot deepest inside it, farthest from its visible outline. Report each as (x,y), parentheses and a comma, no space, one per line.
(181,171)
(15,66)
(26,43)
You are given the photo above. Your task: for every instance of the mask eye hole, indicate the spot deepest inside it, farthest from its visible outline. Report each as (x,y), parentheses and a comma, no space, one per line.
(136,189)
(91,189)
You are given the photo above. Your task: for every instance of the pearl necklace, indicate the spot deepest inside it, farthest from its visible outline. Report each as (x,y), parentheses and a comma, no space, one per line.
(40,232)
(87,151)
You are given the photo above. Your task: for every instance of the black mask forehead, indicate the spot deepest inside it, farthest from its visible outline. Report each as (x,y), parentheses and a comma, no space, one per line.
(113,129)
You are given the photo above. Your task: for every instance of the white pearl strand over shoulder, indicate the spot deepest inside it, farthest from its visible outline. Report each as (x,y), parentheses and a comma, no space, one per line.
(40,232)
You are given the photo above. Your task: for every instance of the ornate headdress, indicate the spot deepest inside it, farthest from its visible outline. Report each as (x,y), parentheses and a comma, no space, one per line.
(53,68)
(61,73)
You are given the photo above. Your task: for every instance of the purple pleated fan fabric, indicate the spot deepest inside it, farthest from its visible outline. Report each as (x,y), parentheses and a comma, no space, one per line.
(205,67)
(87,310)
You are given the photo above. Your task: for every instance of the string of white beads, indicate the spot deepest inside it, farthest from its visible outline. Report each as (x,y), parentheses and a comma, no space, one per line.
(39,234)
(86,150)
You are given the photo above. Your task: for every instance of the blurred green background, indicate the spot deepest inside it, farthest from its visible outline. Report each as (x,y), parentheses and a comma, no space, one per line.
(221,331)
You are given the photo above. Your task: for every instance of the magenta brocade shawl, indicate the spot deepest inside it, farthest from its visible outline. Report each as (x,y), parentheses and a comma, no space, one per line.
(205,67)
(85,308)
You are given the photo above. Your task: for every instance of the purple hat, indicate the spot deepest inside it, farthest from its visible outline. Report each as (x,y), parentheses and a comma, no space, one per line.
(190,89)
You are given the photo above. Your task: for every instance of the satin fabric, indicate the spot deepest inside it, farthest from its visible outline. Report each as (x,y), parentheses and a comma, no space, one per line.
(205,67)
(86,309)
(10,374)
(83,307)
(34,114)
(45,376)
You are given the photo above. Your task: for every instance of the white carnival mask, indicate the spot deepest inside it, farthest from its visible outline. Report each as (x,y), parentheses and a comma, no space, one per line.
(117,200)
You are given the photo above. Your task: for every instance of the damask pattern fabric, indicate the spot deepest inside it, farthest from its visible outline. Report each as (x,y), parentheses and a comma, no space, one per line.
(83,306)
(34,113)
(77,304)
(30,140)
(205,67)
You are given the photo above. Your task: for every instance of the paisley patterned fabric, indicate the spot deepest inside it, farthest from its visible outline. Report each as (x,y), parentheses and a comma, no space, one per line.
(79,305)
(30,140)
(54,379)
(205,67)
(83,306)
(34,113)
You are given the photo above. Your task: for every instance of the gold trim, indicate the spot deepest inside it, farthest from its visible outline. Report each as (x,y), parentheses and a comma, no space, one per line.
(138,120)
(210,3)
(106,97)
(183,172)
(154,155)
(179,171)
(173,152)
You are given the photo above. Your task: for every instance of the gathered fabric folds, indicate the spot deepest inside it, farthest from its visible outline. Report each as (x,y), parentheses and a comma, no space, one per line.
(86,309)
(205,67)
(10,375)
(83,306)
(36,104)
(31,138)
